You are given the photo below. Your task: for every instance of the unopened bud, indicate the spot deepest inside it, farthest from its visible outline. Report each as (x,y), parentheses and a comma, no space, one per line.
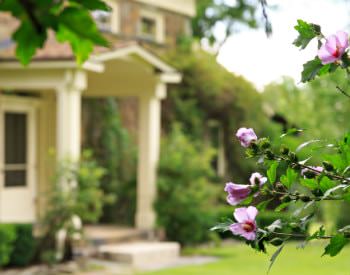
(284,150)
(328,166)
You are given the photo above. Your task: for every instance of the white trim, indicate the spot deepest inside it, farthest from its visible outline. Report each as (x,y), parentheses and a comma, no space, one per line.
(29,107)
(137,50)
(171,77)
(158,18)
(48,64)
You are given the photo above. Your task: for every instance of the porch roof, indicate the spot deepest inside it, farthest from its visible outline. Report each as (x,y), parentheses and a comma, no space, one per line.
(57,55)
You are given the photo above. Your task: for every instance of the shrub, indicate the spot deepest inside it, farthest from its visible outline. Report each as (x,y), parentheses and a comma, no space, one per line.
(7,239)
(186,195)
(24,247)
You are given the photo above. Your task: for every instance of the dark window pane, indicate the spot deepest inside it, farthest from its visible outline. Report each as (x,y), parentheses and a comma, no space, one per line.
(15,178)
(15,138)
(148,26)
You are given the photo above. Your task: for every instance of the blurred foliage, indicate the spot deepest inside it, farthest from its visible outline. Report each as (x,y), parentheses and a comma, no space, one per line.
(75,194)
(25,246)
(232,16)
(186,194)
(211,95)
(116,152)
(7,239)
(70,20)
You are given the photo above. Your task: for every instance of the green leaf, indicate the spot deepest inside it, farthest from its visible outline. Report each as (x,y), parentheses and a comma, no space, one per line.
(289,178)
(335,245)
(309,183)
(326,184)
(81,47)
(79,22)
(307,32)
(291,132)
(282,206)
(222,227)
(92,4)
(271,172)
(311,69)
(28,41)
(318,234)
(274,257)
(262,205)
(277,224)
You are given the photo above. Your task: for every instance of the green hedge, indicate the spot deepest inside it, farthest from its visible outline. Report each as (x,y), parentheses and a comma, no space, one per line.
(24,246)
(17,244)
(7,239)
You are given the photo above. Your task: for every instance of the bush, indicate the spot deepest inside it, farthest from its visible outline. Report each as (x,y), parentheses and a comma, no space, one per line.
(7,239)
(24,247)
(186,196)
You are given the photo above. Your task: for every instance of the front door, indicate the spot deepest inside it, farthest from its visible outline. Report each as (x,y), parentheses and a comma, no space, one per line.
(17,160)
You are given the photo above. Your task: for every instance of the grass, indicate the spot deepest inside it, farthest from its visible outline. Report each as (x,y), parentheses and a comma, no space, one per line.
(241,260)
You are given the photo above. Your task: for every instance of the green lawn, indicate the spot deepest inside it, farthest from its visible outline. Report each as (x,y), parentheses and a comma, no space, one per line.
(241,260)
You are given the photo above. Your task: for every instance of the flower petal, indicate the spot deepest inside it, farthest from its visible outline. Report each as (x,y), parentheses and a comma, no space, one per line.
(331,44)
(241,214)
(252,212)
(343,39)
(325,56)
(237,229)
(250,236)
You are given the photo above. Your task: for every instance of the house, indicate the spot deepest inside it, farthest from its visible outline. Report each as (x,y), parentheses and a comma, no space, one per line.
(40,105)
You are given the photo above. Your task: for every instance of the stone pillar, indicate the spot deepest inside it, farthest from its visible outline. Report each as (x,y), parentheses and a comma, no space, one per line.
(148,156)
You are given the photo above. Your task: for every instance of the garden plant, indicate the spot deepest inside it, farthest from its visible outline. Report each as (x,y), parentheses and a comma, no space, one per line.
(293,176)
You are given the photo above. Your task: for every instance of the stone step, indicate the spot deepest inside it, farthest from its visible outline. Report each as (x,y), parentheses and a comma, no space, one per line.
(141,254)
(108,234)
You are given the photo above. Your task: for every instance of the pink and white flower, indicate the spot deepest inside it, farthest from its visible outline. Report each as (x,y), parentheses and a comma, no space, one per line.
(257,179)
(315,169)
(246,224)
(246,136)
(236,192)
(334,48)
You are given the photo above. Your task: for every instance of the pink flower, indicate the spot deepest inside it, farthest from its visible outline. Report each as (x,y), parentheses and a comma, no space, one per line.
(257,178)
(319,170)
(246,224)
(246,136)
(334,48)
(236,192)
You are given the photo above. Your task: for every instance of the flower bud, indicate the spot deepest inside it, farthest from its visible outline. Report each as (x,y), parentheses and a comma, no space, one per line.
(269,154)
(305,198)
(276,241)
(279,186)
(328,166)
(286,198)
(284,150)
(293,157)
(264,143)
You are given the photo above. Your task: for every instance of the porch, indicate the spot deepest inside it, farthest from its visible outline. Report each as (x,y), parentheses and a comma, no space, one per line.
(53,91)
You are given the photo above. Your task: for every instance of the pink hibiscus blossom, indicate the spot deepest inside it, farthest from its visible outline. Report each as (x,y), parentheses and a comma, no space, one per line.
(334,48)
(246,136)
(236,192)
(257,179)
(246,224)
(315,169)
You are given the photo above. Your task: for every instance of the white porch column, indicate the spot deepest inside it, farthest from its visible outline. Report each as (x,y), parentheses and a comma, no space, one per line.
(148,155)
(69,116)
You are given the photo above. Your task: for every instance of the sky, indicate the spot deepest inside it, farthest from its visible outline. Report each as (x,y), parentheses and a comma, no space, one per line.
(263,60)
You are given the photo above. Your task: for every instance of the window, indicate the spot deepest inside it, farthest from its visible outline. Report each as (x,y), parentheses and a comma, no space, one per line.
(103,20)
(15,149)
(148,27)
(108,21)
(151,26)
